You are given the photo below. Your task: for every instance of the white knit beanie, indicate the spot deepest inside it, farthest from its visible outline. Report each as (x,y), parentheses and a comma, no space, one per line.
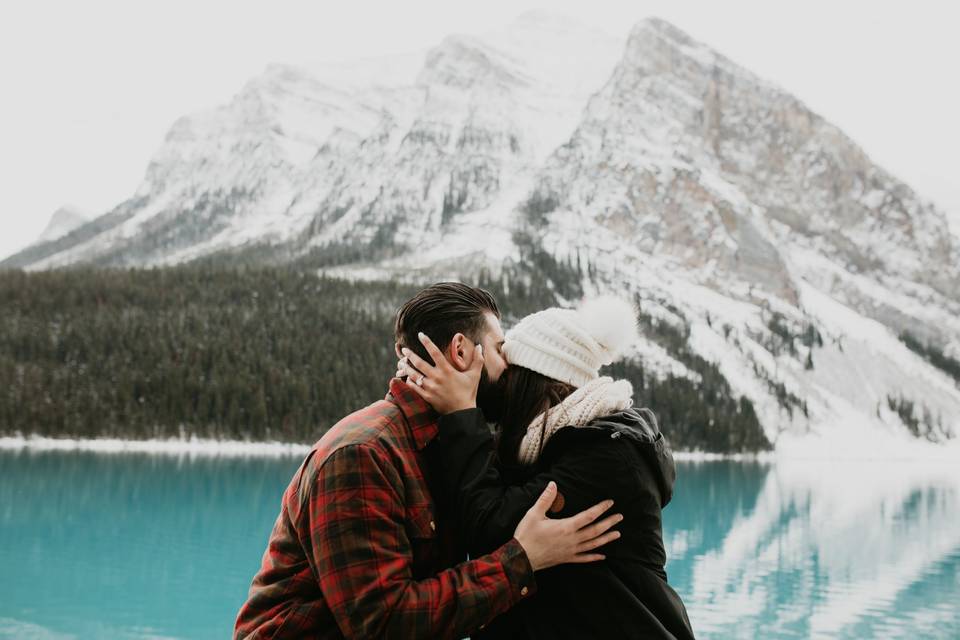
(571,345)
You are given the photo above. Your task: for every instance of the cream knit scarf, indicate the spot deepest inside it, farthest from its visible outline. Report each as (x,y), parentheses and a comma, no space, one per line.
(599,397)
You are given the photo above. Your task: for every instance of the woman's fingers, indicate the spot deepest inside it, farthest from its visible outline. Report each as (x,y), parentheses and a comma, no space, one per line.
(425,388)
(420,391)
(438,358)
(404,369)
(422,366)
(477,364)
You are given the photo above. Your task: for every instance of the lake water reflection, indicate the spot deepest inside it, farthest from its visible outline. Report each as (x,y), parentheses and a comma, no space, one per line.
(818,549)
(140,546)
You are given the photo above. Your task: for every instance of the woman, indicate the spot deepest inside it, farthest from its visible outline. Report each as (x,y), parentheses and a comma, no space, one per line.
(561,421)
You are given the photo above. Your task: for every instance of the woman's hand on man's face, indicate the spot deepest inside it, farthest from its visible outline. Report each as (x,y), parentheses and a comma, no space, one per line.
(443,386)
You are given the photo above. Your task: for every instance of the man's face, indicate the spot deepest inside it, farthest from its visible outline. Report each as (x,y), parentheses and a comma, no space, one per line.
(490,391)
(494,363)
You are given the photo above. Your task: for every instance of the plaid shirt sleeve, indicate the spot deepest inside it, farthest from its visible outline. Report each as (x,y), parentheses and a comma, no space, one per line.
(363,559)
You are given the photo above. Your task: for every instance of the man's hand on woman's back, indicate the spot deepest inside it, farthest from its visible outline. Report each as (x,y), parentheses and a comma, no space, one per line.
(549,542)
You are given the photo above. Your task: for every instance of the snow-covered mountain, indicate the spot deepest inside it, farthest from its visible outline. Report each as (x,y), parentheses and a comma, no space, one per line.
(63,221)
(655,164)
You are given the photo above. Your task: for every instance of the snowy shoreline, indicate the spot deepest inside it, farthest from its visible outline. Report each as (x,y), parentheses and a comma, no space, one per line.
(172,446)
(809,449)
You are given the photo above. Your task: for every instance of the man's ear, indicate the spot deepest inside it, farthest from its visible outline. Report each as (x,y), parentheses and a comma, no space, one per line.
(457,352)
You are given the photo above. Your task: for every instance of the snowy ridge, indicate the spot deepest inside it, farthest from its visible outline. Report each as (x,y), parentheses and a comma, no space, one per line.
(63,221)
(192,447)
(662,167)
(899,449)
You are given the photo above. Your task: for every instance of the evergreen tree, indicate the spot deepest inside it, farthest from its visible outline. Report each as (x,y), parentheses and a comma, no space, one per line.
(271,353)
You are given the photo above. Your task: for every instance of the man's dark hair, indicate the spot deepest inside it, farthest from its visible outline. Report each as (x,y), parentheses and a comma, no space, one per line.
(441,311)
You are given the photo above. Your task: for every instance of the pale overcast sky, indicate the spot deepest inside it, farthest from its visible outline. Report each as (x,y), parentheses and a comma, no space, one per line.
(90,88)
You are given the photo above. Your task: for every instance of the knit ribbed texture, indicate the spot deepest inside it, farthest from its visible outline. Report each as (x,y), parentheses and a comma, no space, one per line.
(597,398)
(561,343)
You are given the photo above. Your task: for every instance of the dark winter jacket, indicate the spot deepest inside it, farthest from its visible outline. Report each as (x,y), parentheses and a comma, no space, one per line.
(618,457)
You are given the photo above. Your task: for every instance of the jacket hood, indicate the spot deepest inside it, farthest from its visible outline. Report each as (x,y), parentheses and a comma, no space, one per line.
(640,427)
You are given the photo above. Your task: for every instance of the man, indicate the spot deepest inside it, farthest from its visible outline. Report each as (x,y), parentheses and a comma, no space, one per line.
(364,546)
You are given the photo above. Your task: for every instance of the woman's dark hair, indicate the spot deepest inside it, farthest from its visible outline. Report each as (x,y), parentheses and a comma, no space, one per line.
(441,311)
(526,394)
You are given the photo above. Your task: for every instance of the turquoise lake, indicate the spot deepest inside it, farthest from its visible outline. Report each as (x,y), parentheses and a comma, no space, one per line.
(154,546)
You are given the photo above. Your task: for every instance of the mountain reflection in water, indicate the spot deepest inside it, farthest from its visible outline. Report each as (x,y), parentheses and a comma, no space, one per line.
(137,545)
(832,549)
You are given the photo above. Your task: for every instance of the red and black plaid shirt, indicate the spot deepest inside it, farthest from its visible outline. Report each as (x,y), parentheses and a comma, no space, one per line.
(358,550)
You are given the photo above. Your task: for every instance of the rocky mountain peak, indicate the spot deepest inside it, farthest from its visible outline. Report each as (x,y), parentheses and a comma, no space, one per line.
(64,220)
(650,165)
(464,62)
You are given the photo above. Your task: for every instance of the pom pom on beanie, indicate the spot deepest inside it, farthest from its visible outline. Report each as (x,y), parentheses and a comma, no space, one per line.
(571,345)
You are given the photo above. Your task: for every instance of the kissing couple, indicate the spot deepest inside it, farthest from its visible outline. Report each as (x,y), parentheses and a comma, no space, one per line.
(410,518)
